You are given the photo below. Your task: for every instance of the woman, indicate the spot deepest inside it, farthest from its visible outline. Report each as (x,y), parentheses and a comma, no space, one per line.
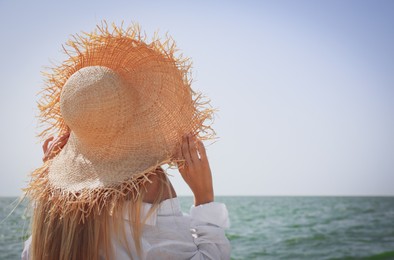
(122,108)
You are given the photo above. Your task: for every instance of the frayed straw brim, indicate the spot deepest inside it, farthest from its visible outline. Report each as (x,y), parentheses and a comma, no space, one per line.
(168,109)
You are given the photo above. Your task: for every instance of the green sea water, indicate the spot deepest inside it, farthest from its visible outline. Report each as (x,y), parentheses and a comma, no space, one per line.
(274,227)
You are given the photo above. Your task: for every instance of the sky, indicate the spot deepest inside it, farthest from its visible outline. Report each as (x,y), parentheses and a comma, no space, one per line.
(304,89)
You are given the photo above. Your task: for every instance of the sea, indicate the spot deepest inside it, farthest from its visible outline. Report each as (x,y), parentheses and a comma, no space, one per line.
(271,227)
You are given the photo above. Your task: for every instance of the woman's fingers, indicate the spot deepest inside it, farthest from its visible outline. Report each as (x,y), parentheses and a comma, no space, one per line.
(197,173)
(186,150)
(45,145)
(63,141)
(201,150)
(193,152)
(64,137)
(55,146)
(193,149)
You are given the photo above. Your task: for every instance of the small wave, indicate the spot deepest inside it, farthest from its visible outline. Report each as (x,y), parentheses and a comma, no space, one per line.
(388,255)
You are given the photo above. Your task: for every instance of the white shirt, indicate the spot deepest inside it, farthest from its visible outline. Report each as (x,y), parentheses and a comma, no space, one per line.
(170,234)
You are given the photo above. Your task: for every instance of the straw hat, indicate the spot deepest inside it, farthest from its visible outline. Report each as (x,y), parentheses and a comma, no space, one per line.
(127,104)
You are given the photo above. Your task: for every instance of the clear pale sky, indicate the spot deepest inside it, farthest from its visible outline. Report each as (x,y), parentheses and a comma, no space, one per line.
(305,89)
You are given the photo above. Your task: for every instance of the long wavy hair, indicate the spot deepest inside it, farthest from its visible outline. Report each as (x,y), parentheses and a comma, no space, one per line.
(67,237)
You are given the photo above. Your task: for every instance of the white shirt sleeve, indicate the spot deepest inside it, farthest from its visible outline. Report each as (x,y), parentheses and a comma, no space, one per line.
(25,252)
(207,228)
(214,213)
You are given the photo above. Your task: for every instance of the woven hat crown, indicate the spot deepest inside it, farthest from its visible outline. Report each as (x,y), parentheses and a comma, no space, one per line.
(96,104)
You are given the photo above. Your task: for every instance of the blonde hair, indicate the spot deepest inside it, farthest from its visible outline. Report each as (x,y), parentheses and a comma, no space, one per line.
(67,237)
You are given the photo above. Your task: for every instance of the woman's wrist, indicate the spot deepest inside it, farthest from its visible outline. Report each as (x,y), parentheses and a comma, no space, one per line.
(207,198)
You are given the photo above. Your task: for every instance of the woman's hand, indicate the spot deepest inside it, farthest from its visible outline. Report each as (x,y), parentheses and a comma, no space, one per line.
(196,171)
(55,146)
